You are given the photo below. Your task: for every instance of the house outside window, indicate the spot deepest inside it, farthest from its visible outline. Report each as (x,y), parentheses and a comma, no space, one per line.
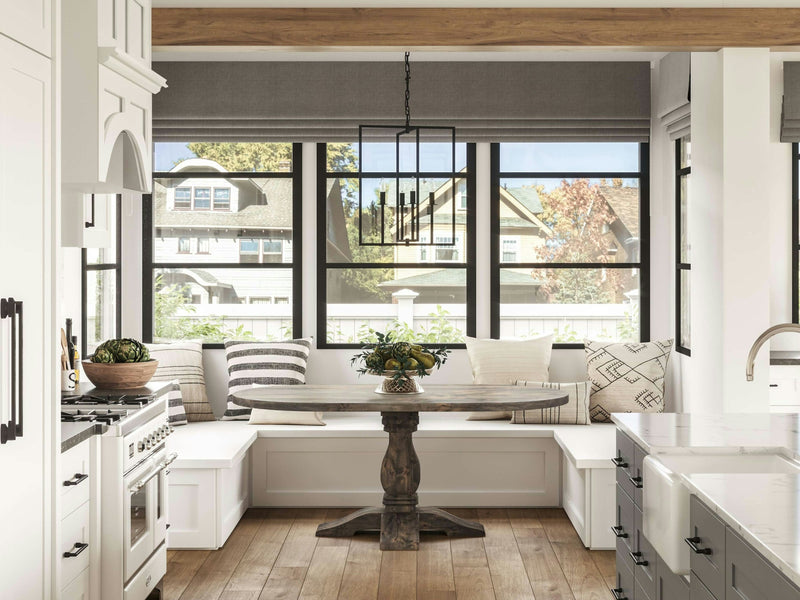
(101,284)
(271,251)
(203,267)
(418,292)
(557,208)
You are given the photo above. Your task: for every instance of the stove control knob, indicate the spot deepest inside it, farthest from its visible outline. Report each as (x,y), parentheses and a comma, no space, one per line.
(148,442)
(159,435)
(141,446)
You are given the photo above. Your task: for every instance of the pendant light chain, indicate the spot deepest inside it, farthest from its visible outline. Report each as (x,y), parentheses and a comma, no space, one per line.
(408,93)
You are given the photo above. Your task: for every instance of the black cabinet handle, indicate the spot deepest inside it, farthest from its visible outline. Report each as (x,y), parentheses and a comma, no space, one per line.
(619,462)
(618,531)
(619,594)
(76,479)
(637,559)
(12,429)
(78,548)
(693,541)
(636,481)
(89,224)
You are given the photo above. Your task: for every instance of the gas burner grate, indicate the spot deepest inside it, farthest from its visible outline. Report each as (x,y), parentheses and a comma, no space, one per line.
(107,416)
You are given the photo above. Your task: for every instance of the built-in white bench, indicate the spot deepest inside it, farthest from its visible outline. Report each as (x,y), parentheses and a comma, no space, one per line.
(225,467)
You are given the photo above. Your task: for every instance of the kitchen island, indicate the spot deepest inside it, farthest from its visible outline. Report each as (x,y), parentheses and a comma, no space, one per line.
(744,526)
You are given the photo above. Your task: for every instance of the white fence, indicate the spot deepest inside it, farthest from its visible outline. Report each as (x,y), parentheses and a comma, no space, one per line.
(347,323)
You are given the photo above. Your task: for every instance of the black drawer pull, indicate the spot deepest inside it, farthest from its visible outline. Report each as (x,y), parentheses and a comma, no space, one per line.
(637,559)
(76,479)
(619,462)
(693,541)
(636,481)
(618,531)
(619,594)
(80,548)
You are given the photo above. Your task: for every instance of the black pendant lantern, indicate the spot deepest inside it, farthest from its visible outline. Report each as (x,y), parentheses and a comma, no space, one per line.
(406,202)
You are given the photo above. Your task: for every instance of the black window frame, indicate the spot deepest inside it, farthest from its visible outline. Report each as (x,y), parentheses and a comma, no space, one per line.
(680,267)
(116,266)
(323,175)
(148,266)
(795,232)
(643,265)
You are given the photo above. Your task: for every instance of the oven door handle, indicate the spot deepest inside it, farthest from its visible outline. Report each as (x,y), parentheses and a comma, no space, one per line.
(162,465)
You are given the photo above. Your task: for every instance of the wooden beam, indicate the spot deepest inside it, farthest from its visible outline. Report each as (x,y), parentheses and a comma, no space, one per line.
(666,28)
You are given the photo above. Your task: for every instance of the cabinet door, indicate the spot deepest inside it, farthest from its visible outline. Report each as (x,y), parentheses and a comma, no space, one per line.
(26,248)
(644,560)
(28,22)
(750,577)
(669,586)
(708,561)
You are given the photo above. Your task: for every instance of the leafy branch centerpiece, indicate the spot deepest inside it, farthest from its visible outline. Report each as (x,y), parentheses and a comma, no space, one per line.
(399,363)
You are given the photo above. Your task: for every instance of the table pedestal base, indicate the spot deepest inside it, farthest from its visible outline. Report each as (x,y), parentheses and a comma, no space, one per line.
(400,520)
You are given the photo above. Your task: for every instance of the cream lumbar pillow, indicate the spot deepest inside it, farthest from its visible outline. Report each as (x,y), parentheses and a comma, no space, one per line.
(626,377)
(504,362)
(574,412)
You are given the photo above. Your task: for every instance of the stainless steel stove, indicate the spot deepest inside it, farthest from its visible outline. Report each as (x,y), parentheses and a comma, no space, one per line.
(134,465)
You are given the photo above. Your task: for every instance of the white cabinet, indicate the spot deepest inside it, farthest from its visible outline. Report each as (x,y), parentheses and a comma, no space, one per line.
(107,88)
(28,22)
(27,274)
(88,220)
(784,388)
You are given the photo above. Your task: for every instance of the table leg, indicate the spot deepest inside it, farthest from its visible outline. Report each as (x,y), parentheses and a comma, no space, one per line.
(399,520)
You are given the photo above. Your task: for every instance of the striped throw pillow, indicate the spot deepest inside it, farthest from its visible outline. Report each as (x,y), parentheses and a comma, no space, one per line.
(176,414)
(183,361)
(263,363)
(574,412)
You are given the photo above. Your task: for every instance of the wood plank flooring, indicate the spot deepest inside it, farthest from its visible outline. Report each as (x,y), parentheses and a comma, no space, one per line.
(273,554)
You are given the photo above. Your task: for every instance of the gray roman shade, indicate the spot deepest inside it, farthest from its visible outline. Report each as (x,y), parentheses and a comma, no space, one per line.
(674,107)
(326,101)
(790,116)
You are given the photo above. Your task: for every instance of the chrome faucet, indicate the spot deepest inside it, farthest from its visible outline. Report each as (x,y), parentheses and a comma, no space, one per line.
(772,331)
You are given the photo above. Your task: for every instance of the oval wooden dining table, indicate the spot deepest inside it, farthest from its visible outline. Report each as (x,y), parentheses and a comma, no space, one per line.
(400,520)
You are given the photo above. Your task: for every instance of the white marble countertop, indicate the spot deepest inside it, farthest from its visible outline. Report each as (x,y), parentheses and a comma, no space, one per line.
(763,508)
(665,433)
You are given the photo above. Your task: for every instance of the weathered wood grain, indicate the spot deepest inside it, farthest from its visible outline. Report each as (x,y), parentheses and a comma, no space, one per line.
(673,28)
(362,398)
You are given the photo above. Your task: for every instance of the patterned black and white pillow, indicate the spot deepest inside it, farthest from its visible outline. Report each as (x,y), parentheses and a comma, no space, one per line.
(176,413)
(263,363)
(626,377)
(183,361)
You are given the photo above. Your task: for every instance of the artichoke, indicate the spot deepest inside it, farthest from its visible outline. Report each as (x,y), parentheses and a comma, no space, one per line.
(374,362)
(102,355)
(401,351)
(125,350)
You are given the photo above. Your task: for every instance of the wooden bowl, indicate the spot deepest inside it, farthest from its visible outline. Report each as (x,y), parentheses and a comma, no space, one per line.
(119,376)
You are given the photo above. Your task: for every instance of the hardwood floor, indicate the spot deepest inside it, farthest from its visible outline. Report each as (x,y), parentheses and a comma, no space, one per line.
(273,554)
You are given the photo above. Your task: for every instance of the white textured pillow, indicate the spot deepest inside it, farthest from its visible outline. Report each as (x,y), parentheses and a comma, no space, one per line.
(260,416)
(626,377)
(574,412)
(503,362)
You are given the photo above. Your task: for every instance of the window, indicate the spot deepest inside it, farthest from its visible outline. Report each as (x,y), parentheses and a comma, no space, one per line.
(222,198)
(183,198)
(570,241)
(245,207)
(510,248)
(420,292)
(101,288)
(202,198)
(461,195)
(683,258)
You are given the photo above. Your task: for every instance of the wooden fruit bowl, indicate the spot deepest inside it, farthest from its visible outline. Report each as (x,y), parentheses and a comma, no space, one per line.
(119,376)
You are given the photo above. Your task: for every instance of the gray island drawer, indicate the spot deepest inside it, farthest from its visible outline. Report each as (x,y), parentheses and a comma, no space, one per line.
(708,533)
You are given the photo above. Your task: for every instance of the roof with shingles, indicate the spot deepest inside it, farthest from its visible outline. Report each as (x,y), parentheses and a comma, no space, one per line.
(624,201)
(528,197)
